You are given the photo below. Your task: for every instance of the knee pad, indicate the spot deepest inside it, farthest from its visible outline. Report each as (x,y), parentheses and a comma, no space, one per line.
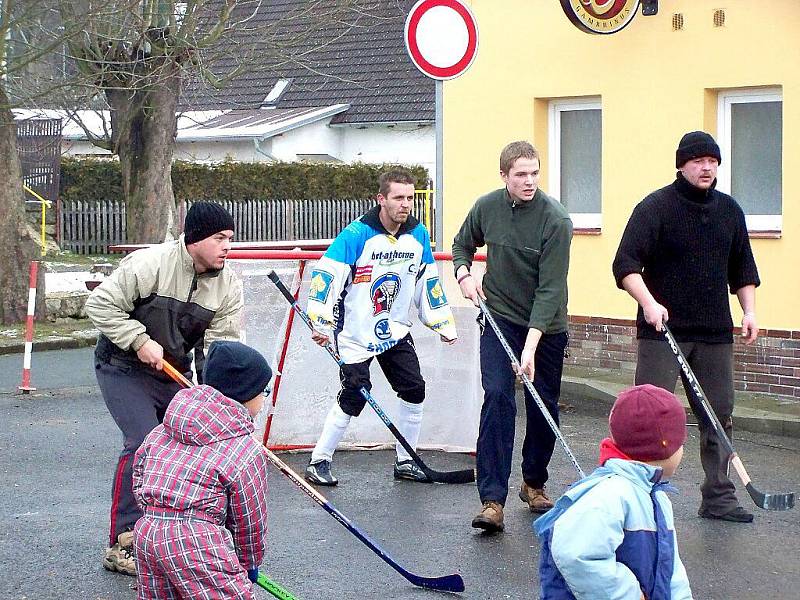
(415,395)
(351,402)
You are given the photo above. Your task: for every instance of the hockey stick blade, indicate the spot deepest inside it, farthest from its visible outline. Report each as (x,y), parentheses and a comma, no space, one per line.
(762,500)
(461,476)
(273,588)
(447,583)
(770,501)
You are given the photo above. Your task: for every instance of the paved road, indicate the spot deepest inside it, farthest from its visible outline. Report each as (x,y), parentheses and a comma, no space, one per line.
(50,369)
(57,454)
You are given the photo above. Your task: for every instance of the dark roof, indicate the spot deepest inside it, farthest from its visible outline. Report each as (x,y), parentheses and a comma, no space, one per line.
(357,57)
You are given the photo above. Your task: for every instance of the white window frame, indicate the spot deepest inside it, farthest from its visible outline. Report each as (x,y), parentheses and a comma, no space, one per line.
(555,108)
(725,100)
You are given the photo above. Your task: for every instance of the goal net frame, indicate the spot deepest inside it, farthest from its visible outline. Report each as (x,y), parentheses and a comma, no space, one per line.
(306,380)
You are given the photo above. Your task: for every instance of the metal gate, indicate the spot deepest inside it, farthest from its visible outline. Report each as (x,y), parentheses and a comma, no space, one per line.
(39,150)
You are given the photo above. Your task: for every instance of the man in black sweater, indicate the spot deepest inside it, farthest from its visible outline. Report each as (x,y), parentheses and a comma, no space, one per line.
(683,247)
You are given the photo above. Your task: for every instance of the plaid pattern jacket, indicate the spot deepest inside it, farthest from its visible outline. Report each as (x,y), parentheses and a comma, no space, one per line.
(203,461)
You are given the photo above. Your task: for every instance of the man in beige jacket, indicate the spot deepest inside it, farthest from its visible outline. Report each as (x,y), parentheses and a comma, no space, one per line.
(162,303)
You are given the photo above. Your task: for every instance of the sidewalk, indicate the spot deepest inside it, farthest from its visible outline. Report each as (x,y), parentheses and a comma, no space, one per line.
(77,333)
(595,389)
(590,390)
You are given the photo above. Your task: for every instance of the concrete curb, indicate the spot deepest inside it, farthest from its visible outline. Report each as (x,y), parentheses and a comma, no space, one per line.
(54,343)
(587,397)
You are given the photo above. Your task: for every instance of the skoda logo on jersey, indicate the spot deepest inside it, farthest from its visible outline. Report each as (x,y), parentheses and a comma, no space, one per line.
(384,292)
(382,329)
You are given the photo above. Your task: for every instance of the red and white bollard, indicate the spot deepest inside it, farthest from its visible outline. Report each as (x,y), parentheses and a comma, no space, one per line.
(26,364)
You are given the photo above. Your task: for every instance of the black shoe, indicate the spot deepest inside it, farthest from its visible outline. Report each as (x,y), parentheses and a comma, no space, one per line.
(320,473)
(408,469)
(737,515)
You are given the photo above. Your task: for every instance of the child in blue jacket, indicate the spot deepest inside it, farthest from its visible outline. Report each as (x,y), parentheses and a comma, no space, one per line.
(612,534)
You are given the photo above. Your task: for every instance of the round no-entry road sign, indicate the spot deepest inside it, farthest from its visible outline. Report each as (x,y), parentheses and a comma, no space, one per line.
(441,37)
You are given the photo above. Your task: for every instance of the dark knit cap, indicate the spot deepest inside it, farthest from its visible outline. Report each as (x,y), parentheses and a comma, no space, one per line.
(647,423)
(694,145)
(236,370)
(204,219)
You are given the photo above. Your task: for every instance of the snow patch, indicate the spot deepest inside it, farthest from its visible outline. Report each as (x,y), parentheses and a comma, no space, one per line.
(72,281)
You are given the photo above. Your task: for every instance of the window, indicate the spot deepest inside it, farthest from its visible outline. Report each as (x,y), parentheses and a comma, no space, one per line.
(751,140)
(277,91)
(575,151)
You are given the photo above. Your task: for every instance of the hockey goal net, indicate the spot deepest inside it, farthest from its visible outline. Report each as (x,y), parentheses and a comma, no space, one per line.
(307,379)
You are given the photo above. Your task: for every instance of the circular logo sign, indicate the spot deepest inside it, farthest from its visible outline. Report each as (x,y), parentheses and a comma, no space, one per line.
(441,37)
(600,16)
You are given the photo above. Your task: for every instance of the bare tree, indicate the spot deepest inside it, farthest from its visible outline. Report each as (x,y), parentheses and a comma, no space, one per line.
(132,59)
(27,39)
(140,54)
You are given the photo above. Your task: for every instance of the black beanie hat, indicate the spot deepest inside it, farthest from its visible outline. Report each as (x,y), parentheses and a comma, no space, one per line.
(694,145)
(236,370)
(204,219)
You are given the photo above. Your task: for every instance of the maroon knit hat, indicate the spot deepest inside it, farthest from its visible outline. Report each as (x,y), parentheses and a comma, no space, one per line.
(647,423)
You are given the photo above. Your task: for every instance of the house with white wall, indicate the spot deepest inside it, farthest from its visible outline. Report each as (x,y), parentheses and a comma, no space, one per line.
(356,97)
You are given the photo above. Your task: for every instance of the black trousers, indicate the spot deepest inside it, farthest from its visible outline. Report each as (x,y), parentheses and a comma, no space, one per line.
(496,430)
(137,399)
(399,364)
(712,364)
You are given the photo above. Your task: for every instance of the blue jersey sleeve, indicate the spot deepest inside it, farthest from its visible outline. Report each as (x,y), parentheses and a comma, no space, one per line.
(422,236)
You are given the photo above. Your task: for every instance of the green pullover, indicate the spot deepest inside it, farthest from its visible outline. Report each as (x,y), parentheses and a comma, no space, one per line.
(527,257)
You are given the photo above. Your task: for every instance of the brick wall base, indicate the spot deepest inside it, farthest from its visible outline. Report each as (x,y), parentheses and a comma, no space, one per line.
(771,365)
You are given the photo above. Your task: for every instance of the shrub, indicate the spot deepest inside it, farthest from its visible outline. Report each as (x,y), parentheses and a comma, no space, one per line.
(91,180)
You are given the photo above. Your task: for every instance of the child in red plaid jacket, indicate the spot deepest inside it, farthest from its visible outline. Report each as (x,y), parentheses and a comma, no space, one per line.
(201,480)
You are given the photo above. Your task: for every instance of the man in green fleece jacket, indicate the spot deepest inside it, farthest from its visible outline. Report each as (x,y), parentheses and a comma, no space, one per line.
(528,236)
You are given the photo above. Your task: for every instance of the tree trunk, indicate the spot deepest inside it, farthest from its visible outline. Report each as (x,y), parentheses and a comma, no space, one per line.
(18,239)
(143,123)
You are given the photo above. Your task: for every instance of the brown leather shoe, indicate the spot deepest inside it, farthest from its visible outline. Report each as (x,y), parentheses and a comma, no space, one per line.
(535,498)
(490,519)
(119,557)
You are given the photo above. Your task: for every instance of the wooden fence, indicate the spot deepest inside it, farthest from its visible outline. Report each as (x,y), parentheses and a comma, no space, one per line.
(90,228)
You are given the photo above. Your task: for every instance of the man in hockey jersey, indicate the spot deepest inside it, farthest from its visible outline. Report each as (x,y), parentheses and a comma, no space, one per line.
(360,296)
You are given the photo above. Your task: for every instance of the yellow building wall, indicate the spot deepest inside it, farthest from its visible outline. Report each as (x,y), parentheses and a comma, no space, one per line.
(655,84)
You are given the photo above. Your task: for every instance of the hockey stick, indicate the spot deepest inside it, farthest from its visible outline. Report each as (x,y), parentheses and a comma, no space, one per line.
(529,386)
(762,500)
(447,583)
(463,476)
(273,588)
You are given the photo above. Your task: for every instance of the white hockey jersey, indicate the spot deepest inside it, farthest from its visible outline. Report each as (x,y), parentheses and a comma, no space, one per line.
(362,288)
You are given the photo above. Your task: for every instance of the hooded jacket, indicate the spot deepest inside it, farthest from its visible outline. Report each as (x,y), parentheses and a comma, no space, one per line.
(612,536)
(203,462)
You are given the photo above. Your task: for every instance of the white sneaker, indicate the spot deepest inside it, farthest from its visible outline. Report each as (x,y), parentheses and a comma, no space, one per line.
(320,473)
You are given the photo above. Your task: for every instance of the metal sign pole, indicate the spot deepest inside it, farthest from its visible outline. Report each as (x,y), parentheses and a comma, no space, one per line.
(442,41)
(438,197)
